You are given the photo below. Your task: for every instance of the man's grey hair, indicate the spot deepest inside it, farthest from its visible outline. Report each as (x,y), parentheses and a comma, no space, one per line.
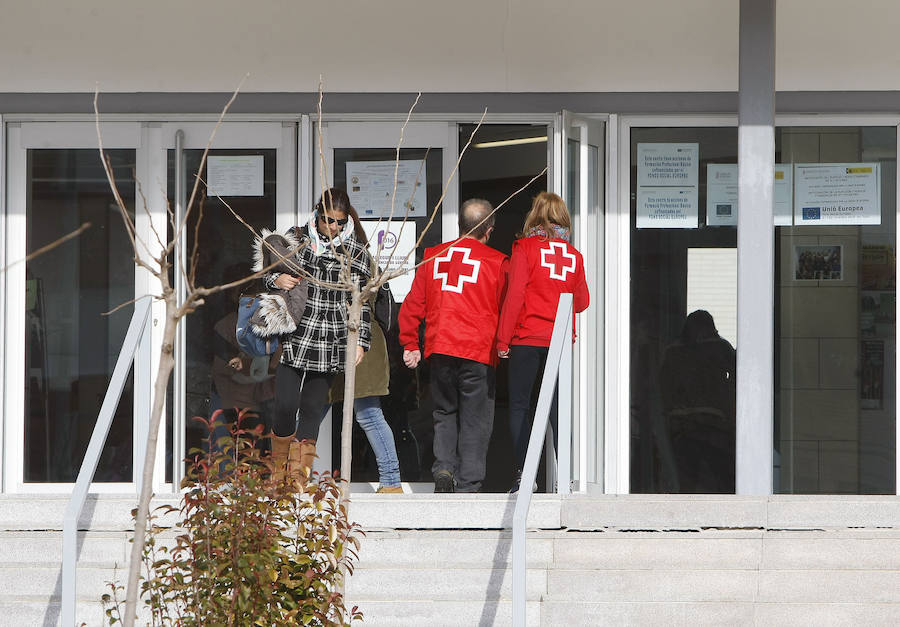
(475,215)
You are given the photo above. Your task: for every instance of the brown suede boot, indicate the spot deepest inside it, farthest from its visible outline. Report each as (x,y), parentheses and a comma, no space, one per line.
(307,456)
(281,448)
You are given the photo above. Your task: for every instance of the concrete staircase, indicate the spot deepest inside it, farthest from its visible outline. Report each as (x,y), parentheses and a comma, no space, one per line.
(592,560)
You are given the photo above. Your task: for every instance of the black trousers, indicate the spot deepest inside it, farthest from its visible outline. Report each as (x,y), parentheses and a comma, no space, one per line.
(463,392)
(525,364)
(703,445)
(303,390)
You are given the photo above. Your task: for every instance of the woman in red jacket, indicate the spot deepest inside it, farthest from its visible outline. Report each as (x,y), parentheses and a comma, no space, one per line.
(544,265)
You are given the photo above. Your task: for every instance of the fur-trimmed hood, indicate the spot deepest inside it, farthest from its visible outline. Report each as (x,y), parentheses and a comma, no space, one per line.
(276,245)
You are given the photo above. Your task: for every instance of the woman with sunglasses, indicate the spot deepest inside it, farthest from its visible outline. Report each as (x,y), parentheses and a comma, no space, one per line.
(314,353)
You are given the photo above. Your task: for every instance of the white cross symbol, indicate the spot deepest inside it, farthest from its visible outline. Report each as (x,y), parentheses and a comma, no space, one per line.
(455,270)
(557,254)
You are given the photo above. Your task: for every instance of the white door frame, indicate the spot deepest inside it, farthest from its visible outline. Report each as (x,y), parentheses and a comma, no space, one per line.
(278,135)
(20,137)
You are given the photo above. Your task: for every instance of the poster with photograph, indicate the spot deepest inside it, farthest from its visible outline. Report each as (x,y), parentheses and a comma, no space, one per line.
(871,389)
(837,193)
(818,262)
(370,185)
(395,245)
(722,194)
(877,267)
(234,175)
(667,186)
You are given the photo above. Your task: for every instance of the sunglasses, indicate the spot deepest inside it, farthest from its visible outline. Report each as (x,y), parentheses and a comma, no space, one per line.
(327,220)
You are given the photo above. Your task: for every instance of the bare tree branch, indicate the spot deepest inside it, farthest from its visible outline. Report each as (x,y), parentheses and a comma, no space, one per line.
(45,249)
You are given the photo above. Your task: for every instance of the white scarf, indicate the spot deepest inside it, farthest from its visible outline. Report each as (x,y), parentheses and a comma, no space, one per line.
(318,243)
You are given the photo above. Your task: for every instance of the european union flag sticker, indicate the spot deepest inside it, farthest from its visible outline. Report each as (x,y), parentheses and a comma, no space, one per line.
(812,213)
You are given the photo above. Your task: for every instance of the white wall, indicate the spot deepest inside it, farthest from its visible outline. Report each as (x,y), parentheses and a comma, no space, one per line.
(366,45)
(410,45)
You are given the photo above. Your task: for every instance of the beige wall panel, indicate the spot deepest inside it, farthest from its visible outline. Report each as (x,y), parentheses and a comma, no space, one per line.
(819,312)
(819,415)
(363,46)
(839,363)
(800,467)
(839,147)
(837,45)
(799,147)
(799,363)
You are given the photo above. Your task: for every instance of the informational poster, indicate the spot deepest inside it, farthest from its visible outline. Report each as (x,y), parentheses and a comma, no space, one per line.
(837,193)
(722,194)
(237,175)
(667,186)
(818,262)
(370,185)
(395,246)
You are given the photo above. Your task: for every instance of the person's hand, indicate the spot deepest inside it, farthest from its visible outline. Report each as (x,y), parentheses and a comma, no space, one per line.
(286,282)
(503,354)
(360,353)
(412,358)
(235,363)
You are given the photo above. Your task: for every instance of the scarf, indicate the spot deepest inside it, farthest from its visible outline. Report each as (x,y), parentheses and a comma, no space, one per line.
(556,232)
(320,243)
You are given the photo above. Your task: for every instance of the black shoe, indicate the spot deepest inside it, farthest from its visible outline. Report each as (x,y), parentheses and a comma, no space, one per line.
(443,482)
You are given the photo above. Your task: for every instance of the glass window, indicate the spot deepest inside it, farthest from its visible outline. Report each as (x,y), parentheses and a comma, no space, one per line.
(683,309)
(835,335)
(71,345)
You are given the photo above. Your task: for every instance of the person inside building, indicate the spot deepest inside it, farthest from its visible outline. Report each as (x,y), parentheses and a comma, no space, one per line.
(371,383)
(543,265)
(239,381)
(697,385)
(314,353)
(457,292)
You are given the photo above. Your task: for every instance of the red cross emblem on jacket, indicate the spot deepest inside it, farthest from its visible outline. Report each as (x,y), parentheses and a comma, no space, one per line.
(558,259)
(454,269)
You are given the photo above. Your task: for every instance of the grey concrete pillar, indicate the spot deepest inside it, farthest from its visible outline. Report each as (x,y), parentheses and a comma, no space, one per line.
(756,247)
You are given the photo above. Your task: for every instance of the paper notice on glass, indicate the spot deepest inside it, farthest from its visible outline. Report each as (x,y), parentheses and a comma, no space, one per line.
(722,194)
(395,245)
(370,185)
(837,193)
(667,186)
(784,194)
(238,175)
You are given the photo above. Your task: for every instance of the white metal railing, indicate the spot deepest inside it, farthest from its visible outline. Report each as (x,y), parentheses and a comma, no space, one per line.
(92,456)
(557,372)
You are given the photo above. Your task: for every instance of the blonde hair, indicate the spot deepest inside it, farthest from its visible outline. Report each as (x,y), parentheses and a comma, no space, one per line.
(546,210)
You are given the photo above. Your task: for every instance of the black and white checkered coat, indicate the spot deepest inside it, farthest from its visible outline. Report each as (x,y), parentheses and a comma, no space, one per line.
(320,340)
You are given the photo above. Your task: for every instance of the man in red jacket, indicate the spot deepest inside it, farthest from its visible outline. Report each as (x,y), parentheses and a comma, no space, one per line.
(457,292)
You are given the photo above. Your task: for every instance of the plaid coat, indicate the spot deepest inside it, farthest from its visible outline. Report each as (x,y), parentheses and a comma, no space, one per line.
(319,343)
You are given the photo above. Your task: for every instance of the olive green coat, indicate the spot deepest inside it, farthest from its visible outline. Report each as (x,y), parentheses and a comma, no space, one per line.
(372,373)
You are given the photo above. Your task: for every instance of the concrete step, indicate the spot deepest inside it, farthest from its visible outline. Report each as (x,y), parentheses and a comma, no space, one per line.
(398,613)
(44,614)
(438,584)
(43,583)
(618,614)
(30,548)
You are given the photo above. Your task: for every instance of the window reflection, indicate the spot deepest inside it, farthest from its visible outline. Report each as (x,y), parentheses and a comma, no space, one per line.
(71,347)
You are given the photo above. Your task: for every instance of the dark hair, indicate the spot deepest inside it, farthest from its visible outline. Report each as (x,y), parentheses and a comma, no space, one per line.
(699,326)
(336,199)
(476,217)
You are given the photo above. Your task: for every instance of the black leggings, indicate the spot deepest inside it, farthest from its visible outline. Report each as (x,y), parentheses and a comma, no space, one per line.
(526,364)
(303,390)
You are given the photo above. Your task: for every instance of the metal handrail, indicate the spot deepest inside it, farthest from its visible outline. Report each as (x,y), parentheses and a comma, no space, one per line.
(92,455)
(557,371)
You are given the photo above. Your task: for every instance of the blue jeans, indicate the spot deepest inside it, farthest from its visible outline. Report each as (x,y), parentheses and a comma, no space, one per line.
(381,439)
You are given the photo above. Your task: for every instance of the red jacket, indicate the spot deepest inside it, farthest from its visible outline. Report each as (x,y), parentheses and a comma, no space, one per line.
(457,292)
(540,271)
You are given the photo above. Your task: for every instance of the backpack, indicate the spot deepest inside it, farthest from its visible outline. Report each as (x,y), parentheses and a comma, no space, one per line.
(248,340)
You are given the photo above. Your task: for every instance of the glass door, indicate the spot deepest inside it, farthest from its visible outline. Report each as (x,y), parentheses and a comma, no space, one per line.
(360,157)
(580,180)
(63,327)
(251,168)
